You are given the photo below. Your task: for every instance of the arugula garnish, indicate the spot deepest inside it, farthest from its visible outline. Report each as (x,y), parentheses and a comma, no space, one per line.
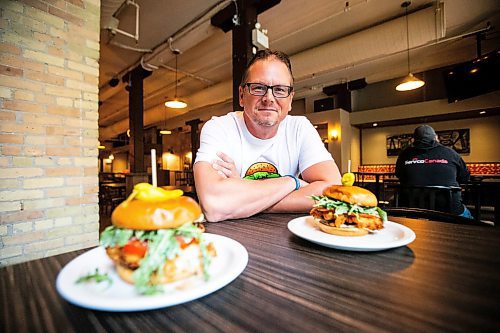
(162,246)
(346,208)
(96,276)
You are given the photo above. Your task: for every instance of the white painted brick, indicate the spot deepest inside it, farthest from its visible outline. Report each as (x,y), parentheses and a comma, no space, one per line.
(4,230)
(10,206)
(22,227)
(44,224)
(21,195)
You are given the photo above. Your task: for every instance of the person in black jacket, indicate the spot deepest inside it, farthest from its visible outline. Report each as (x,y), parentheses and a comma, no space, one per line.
(427,162)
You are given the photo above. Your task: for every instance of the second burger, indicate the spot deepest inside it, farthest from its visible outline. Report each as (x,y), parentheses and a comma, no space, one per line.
(347,211)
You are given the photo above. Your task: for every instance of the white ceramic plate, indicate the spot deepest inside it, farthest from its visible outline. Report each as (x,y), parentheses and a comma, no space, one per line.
(231,260)
(393,235)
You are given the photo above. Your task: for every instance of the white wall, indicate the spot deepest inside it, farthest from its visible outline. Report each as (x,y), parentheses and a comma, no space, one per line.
(484,138)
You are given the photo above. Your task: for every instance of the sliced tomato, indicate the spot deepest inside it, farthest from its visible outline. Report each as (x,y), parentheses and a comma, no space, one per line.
(182,242)
(136,247)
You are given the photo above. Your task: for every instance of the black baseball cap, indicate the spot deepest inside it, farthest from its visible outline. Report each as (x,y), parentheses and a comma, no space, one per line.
(424,133)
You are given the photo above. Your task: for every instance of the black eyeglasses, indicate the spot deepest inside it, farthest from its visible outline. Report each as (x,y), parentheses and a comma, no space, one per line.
(259,89)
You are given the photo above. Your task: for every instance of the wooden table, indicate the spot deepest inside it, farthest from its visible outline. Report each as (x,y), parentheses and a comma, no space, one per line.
(483,190)
(447,280)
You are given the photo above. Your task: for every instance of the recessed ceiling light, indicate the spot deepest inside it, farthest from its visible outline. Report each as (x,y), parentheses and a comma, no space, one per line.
(482,112)
(375,124)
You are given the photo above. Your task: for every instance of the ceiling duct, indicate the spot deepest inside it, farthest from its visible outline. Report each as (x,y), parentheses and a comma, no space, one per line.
(190,35)
(108,8)
(382,40)
(377,42)
(347,86)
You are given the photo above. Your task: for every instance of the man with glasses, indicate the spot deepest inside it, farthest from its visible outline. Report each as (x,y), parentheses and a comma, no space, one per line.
(250,161)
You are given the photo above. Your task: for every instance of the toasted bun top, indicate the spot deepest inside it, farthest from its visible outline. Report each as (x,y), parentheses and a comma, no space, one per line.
(351,194)
(261,166)
(145,215)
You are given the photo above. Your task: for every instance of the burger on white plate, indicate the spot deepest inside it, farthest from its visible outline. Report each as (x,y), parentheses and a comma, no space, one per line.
(347,211)
(154,238)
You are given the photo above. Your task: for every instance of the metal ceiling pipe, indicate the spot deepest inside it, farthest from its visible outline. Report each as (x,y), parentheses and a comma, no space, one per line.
(384,40)
(218,93)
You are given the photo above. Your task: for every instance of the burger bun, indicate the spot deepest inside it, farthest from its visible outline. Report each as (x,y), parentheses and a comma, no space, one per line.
(349,231)
(352,195)
(145,215)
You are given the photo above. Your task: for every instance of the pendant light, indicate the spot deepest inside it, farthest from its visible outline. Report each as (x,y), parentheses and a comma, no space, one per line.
(176,103)
(410,82)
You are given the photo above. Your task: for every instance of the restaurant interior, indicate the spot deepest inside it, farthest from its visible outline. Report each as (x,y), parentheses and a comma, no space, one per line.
(98,96)
(347,57)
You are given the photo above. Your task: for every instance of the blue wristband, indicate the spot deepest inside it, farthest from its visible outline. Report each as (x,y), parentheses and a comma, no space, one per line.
(297,182)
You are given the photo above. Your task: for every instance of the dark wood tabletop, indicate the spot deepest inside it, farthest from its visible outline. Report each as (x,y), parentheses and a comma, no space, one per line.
(447,280)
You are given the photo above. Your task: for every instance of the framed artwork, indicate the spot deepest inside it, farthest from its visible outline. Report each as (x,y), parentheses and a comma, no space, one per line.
(456,139)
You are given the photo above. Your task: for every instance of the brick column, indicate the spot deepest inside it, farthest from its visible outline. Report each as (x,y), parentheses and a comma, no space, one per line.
(48,130)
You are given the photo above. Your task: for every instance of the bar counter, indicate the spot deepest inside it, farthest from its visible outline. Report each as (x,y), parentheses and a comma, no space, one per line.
(446,280)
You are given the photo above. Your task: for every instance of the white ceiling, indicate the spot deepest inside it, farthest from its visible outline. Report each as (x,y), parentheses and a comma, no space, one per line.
(327,41)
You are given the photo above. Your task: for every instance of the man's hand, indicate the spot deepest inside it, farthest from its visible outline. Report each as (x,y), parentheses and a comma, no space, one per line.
(225,167)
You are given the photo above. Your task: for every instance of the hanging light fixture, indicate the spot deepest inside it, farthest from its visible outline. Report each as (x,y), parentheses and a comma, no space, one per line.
(165,131)
(410,82)
(175,103)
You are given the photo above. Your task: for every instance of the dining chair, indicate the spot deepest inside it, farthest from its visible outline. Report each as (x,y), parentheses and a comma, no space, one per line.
(437,198)
(111,198)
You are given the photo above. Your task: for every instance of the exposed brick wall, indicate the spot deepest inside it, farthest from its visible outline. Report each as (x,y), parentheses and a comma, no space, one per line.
(49,52)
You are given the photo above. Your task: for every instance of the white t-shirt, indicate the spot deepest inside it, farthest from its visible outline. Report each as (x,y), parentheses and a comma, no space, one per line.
(294,148)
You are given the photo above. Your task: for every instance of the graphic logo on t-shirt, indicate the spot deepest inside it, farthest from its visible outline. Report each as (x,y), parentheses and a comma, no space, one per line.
(426,161)
(261,170)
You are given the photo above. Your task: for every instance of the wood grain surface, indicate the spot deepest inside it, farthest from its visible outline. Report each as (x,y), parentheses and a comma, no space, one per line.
(447,280)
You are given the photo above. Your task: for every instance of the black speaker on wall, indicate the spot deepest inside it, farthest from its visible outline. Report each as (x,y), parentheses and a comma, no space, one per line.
(324,104)
(473,78)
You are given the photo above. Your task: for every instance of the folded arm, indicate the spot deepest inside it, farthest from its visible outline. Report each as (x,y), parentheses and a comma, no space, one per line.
(316,178)
(223,197)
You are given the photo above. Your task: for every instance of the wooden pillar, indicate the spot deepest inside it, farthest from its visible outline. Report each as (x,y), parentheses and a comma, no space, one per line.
(136,118)
(242,34)
(136,125)
(195,138)
(242,46)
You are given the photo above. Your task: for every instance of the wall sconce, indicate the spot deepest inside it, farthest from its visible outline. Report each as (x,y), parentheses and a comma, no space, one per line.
(334,134)
(170,161)
(111,157)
